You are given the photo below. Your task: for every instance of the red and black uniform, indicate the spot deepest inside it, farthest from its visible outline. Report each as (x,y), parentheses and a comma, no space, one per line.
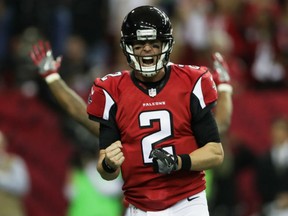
(165,114)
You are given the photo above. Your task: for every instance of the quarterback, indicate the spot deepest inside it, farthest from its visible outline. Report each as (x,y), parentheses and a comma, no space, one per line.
(156,123)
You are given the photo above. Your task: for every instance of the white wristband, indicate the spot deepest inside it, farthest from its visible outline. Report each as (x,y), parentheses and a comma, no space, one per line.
(225,87)
(52,77)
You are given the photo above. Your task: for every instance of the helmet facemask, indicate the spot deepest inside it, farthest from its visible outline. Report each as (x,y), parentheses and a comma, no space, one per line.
(134,60)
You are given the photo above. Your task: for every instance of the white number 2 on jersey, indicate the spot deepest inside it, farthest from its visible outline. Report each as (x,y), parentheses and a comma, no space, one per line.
(146,120)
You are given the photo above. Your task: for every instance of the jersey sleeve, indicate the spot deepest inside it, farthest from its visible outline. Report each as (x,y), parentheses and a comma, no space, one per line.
(100,104)
(102,108)
(205,90)
(204,96)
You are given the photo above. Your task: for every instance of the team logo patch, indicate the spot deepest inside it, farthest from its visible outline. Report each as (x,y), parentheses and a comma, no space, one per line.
(152,92)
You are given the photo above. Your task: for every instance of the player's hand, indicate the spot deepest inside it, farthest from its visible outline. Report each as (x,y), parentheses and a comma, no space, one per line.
(221,74)
(163,162)
(114,156)
(42,56)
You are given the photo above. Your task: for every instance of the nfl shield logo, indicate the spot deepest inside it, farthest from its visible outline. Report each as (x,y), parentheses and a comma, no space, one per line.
(152,92)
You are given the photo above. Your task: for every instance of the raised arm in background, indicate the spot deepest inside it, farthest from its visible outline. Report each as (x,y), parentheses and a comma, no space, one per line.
(71,102)
(224,107)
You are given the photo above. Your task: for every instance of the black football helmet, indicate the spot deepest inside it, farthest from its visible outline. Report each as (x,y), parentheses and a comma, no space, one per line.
(146,23)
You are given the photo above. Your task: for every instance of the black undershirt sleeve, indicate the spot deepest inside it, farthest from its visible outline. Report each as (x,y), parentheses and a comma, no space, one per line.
(109,131)
(206,130)
(204,126)
(108,135)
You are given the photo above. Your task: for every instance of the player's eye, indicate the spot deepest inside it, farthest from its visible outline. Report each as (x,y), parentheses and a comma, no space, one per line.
(138,47)
(156,45)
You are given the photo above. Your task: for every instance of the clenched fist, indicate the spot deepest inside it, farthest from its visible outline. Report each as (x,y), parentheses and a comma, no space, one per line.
(114,157)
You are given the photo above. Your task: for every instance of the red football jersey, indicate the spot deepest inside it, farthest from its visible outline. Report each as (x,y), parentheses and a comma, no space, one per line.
(153,119)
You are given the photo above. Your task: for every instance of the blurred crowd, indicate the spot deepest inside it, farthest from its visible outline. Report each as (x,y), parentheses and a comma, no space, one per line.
(251,34)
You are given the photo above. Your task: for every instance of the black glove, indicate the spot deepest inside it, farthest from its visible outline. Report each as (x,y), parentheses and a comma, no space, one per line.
(163,162)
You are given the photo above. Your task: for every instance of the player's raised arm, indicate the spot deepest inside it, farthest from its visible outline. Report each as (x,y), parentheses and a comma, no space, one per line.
(71,102)
(224,107)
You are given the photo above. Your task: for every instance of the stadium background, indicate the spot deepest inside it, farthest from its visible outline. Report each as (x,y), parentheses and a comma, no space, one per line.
(87,34)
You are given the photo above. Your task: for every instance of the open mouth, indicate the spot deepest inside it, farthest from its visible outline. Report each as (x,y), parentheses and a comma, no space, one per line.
(148,60)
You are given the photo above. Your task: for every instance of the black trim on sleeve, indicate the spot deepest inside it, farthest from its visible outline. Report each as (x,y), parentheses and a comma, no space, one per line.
(100,120)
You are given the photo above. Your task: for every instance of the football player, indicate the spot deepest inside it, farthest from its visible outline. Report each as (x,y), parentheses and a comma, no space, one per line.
(156,121)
